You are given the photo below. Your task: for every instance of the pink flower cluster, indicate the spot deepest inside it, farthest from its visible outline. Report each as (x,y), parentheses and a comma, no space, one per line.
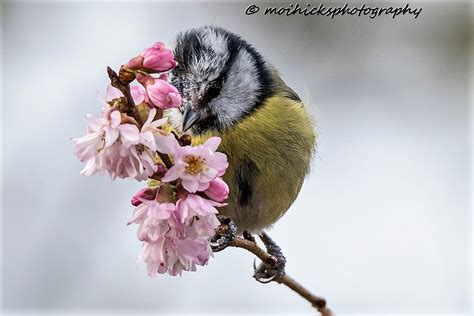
(159,92)
(120,148)
(176,215)
(116,144)
(175,227)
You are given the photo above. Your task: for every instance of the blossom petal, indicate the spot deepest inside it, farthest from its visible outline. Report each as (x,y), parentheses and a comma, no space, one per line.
(166,144)
(212,143)
(151,116)
(190,185)
(203,186)
(113,93)
(115,118)
(111,135)
(209,174)
(129,134)
(138,94)
(171,175)
(158,123)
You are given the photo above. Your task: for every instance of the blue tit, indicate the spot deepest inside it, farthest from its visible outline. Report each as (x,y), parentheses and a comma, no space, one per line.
(229,90)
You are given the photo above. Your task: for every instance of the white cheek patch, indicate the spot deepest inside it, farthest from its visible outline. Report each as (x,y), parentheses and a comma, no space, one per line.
(175,118)
(240,92)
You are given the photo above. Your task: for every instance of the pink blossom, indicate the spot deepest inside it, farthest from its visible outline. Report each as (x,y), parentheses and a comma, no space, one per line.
(193,251)
(167,255)
(136,160)
(159,210)
(175,237)
(170,246)
(160,257)
(86,147)
(197,166)
(198,214)
(156,57)
(218,190)
(149,135)
(194,204)
(122,162)
(102,132)
(120,149)
(128,133)
(161,93)
(113,93)
(155,219)
(138,94)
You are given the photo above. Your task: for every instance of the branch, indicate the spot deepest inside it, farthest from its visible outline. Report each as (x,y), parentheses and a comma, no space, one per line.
(131,109)
(166,160)
(317,302)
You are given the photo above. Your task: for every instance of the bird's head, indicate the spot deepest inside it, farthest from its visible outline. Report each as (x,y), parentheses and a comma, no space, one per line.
(221,79)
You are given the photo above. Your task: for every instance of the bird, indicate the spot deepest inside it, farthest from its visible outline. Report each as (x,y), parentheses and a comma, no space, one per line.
(230,90)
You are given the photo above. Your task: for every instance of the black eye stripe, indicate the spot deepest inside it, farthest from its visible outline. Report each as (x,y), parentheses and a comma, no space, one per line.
(214,87)
(217,83)
(213,90)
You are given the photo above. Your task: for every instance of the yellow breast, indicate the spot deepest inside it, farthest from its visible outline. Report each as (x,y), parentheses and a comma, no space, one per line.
(269,154)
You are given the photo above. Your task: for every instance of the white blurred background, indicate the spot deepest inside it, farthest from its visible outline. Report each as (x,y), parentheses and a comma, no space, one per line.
(382,225)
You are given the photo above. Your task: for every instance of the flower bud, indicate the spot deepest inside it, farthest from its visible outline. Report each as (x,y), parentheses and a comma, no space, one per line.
(143,194)
(161,93)
(135,63)
(126,75)
(185,139)
(218,190)
(157,57)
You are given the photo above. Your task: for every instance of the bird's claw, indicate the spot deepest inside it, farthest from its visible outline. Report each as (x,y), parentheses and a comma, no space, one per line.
(225,233)
(266,273)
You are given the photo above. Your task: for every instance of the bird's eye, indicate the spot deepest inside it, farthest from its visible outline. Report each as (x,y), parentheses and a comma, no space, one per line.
(213,90)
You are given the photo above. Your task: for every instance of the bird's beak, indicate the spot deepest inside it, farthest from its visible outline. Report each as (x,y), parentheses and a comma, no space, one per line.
(190,117)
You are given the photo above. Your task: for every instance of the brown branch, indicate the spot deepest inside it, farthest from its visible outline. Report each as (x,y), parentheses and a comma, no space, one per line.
(166,160)
(131,109)
(317,302)
(255,249)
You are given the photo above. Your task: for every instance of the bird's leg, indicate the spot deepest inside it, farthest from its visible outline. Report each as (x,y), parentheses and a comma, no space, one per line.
(225,233)
(265,273)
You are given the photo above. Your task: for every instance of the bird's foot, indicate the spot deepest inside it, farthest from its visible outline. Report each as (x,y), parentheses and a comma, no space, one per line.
(247,235)
(225,233)
(265,273)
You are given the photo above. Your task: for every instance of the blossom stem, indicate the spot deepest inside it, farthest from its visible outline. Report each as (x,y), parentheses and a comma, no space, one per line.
(317,302)
(166,160)
(125,89)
